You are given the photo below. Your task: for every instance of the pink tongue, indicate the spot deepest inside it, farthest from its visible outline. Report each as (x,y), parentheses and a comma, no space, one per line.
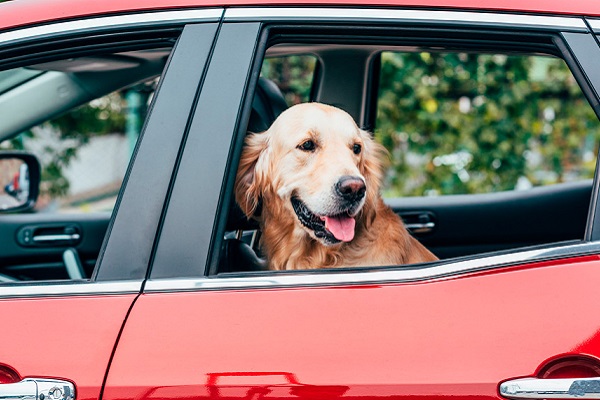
(341,227)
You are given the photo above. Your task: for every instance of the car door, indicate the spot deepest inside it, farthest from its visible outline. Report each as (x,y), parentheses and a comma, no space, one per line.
(458,328)
(58,334)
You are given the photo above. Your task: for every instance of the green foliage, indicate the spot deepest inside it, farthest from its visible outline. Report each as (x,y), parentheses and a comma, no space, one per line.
(75,129)
(293,75)
(472,123)
(99,117)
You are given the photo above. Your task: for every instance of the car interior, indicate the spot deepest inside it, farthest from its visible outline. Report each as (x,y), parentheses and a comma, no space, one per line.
(450,226)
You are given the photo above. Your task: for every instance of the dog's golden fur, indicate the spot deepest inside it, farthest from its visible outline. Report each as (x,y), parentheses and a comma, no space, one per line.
(274,168)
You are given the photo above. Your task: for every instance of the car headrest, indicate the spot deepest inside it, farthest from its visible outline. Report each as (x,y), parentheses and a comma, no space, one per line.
(267,104)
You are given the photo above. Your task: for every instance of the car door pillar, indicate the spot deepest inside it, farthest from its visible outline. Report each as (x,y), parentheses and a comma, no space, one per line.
(137,213)
(187,232)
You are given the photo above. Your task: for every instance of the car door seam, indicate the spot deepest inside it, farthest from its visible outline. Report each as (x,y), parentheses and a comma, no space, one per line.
(116,344)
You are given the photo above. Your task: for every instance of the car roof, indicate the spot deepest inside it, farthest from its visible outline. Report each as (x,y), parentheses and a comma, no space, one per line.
(17,13)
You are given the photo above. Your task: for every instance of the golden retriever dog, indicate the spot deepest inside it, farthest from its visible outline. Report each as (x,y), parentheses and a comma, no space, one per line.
(314,178)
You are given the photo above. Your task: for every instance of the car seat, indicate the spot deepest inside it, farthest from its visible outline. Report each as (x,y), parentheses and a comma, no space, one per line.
(237,254)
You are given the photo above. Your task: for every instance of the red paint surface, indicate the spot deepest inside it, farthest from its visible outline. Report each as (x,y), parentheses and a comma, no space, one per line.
(24,12)
(67,338)
(449,338)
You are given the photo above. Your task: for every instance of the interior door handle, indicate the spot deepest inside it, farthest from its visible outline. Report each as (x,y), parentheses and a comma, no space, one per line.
(419,221)
(56,238)
(534,388)
(49,235)
(37,389)
(420,227)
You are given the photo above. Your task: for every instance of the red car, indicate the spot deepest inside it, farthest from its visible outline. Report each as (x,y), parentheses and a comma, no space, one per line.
(146,284)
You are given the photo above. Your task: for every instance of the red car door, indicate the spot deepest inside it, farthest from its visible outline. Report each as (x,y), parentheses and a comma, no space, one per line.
(67,337)
(465,328)
(58,337)
(458,337)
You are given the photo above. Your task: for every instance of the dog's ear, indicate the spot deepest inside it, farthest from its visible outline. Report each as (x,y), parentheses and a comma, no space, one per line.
(372,163)
(251,174)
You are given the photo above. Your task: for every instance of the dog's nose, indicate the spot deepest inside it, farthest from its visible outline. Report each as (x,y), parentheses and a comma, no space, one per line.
(351,187)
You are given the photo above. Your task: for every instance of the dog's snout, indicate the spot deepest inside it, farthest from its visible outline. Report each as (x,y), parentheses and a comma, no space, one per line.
(351,187)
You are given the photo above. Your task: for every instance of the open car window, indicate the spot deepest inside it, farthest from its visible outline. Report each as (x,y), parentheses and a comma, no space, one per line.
(510,132)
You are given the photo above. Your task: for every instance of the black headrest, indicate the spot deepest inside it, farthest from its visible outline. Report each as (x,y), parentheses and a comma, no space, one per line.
(268,103)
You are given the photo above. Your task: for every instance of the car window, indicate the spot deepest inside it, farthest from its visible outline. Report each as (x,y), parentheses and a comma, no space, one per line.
(84,152)
(463,123)
(80,118)
(461,120)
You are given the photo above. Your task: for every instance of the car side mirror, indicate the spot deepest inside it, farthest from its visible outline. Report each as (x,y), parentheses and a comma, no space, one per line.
(19,181)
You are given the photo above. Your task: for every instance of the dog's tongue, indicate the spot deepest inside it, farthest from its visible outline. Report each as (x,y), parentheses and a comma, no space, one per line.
(342,227)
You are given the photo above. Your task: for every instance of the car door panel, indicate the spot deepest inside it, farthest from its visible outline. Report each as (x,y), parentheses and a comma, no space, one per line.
(26,258)
(65,337)
(471,224)
(447,337)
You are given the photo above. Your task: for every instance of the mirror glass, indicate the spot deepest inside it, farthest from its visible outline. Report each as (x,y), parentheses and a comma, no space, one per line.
(14,183)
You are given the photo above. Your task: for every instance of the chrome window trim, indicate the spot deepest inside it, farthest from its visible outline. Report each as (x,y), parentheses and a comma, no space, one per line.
(438,270)
(103,23)
(44,289)
(595,24)
(382,15)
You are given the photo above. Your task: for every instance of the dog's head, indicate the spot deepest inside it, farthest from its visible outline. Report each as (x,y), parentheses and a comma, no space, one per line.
(315,165)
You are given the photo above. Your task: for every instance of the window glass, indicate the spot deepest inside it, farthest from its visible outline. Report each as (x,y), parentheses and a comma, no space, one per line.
(457,123)
(84,153)
(84,149)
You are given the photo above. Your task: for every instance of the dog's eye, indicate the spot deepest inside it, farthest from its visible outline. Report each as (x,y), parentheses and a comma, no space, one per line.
(357,148)
(308,145)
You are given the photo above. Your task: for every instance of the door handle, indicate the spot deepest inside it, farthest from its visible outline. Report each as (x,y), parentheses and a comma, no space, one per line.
(419,222)
(420,227)
(73,237)
(49,235)
(37,389)
(534,388)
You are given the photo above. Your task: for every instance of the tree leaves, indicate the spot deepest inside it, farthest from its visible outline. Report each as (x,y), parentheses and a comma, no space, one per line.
(504,111)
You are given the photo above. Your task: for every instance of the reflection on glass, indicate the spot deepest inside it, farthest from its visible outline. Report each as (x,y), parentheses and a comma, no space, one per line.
(14,181)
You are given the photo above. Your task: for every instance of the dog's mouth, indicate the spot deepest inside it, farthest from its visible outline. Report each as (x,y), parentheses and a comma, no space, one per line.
(331,229)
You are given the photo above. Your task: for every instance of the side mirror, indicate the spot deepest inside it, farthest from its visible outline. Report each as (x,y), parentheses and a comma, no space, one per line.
(19,181)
